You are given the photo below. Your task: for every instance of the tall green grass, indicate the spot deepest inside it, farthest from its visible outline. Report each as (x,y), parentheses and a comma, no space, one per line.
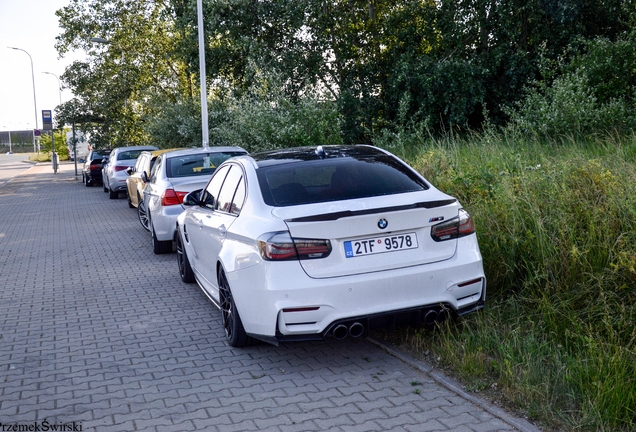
(556,223)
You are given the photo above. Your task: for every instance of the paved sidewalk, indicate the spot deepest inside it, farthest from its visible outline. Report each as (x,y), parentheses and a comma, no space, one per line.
(99,334)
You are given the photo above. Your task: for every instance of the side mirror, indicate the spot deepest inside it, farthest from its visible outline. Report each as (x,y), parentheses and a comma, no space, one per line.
(130,170)
(144,176)
(193,198)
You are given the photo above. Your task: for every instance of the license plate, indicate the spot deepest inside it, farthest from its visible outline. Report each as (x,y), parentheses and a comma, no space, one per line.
(377,245)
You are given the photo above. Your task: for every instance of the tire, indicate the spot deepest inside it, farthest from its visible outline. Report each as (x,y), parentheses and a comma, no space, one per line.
(234,331)
(185,270)
(112,194)
(87,182)
(130,204)
(160,247)
(142,214)
(105,188)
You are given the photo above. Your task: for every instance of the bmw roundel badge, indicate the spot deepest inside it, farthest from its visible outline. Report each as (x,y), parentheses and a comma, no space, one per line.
(383,223)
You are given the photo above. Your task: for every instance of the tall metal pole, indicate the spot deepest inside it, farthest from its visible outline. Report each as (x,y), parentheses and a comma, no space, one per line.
(53,152)
(59,85)
(35,105)
(204,91)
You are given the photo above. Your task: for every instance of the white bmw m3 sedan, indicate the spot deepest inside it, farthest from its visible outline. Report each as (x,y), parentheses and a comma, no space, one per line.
(314,242)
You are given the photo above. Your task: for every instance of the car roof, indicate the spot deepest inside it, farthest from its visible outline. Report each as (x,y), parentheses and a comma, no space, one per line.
(127,148)
(198,150)
(160,152)
(308,153)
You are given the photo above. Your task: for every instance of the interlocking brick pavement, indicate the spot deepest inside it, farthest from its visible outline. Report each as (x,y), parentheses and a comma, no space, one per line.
(100,334)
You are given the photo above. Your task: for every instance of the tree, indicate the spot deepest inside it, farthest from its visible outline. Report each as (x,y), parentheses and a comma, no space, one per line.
(138,63)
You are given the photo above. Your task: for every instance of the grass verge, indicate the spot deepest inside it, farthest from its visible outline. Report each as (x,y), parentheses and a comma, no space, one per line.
(556,223)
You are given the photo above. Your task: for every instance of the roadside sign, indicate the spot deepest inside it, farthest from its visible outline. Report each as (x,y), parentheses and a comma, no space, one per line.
(47,120)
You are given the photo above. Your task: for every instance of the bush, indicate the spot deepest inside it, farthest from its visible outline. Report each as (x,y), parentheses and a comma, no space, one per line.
(260,124)
(569,107)
(595,94)
(251,121)
(60,144)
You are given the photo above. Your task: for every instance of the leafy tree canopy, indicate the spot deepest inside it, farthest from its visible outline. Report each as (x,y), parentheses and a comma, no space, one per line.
(383,64)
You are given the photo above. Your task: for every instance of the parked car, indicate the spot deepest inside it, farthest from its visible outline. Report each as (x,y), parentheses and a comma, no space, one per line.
(174,175)
(92,169)
(135,183)
(114,172)
(306,243)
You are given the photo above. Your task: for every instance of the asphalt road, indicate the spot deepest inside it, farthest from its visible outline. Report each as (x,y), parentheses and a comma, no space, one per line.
(99,334)
(12,165)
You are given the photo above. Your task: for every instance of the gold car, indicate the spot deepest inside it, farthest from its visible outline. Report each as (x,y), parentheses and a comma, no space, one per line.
(135,182)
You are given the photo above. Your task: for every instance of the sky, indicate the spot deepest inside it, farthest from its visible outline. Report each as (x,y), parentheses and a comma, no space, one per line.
(32,26)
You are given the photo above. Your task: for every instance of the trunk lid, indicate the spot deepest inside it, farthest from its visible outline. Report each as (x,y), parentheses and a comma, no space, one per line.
(373,234)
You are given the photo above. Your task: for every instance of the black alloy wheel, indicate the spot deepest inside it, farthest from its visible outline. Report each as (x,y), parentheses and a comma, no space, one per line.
(232,324)
(185,270)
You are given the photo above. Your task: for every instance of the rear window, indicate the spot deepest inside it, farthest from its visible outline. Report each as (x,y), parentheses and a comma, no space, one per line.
(316,181)
(196,164)
(130,154)
(99,154)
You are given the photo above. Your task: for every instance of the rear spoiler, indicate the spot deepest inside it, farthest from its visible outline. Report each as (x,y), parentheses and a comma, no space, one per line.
(350,213)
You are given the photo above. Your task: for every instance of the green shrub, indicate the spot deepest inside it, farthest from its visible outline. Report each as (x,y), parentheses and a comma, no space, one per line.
(262,124)
(254,122)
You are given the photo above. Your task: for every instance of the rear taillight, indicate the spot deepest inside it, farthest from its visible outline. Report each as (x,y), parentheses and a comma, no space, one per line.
(459,226)
(171,197)
(281,246)
(119,167)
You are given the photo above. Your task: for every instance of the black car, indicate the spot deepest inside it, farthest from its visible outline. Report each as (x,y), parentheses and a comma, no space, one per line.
(92,171)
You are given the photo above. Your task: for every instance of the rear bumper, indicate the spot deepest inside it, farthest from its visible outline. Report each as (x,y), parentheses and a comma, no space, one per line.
(117,182)
(94,176)
(165,220)
(278,302)
(361,325)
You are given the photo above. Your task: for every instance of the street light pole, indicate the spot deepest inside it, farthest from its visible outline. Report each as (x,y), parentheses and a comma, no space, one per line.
(202,76)
(53,153)
(35,105)
(59,85)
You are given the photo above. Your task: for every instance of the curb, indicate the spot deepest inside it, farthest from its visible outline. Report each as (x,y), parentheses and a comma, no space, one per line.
(452,385)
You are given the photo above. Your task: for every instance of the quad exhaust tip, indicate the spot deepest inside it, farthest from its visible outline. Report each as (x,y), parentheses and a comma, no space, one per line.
(342,331)
(356,329)
(431,317)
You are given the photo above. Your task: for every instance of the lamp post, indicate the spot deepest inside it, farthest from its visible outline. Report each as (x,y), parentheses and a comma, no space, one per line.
(53,153)
(202,77)
(59,85)
(35,105)
(10,149)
